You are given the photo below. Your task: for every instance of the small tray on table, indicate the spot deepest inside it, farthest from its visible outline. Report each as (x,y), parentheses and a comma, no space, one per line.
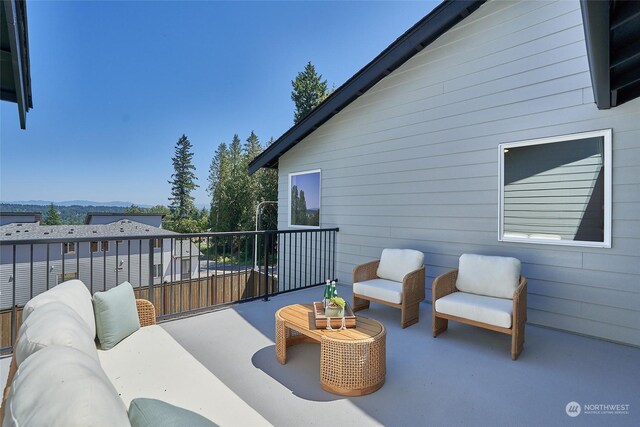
(336,322)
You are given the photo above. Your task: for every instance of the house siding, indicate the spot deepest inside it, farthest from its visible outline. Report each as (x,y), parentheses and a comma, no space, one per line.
(413,162)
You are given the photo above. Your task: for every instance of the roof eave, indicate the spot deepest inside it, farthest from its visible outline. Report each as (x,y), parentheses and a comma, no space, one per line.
(595,16)
(428,29)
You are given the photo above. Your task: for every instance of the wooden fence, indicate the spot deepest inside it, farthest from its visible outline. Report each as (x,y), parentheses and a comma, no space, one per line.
(177,298)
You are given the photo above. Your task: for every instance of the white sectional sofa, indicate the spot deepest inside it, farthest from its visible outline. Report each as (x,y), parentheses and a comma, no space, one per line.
(59,376)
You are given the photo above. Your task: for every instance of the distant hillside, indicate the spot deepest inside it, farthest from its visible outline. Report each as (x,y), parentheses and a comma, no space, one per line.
(74,214)
(73,203)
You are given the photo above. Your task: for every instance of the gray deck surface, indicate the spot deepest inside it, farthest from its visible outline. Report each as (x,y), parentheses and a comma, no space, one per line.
(463,377)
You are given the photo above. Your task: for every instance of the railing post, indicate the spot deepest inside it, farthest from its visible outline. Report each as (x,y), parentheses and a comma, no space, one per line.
(151,256)
(267,245)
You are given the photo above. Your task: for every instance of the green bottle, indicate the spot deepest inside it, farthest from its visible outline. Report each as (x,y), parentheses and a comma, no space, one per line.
(334,291)
(327,294)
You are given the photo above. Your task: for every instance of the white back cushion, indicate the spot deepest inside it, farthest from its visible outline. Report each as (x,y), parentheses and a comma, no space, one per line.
(73,293)
(397,263)
(491,276)
(61,386)
(54,324)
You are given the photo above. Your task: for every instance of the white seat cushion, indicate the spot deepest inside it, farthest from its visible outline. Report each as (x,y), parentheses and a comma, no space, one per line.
(61,386)
(494,311)
(397,263)
(73,293)
(382,289)
(54,324)
(491,276)
(150,363)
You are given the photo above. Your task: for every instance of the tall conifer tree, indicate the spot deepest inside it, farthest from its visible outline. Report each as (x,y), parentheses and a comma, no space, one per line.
(182,181)
(309,90)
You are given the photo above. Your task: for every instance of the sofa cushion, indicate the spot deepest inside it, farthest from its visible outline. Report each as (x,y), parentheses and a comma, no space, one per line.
(488,275)
(152,364)
(156,413)
(397,263)
(73,293)
(382,289)
(54,324)
(494,311)
(61,386)
(116,315)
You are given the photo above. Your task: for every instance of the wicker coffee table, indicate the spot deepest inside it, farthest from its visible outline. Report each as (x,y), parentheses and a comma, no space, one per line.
(352,361)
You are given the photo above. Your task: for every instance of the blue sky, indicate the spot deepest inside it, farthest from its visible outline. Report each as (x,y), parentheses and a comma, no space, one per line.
(116,83)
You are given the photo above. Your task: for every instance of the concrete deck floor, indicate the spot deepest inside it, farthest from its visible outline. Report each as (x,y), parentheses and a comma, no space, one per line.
(463,377)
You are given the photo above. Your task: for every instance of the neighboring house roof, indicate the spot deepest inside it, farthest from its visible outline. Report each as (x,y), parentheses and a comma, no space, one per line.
(37,216)
(612,34)
(445,16)
(114,230)
(15,75)
(90,215)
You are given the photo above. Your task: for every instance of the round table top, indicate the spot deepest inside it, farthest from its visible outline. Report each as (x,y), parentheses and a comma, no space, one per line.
(301,316)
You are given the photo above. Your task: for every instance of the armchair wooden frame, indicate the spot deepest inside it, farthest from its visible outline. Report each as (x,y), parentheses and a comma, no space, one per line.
(412,292)
(446,284)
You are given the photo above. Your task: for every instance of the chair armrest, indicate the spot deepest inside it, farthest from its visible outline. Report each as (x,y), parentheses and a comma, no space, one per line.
(520,302)
(443,285)
(146,312)
(365,272)
(413,285)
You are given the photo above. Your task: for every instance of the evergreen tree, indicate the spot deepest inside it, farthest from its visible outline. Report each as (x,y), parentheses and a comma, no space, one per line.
(309,90)
(53,216)
(134,209)
(218,178)
(182,182)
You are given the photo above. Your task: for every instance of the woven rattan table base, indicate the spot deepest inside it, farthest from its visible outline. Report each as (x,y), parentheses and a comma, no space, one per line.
(352,361)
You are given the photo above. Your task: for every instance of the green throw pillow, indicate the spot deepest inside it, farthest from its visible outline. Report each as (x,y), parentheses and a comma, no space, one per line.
(116,315)
(156,413)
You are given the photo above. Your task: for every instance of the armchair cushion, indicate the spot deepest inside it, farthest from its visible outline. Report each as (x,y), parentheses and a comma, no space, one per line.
(397,263)
(382,289)
(491,276)
(490,310)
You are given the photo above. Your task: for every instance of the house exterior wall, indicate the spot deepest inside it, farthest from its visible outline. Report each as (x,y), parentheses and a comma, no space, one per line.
(413,163)
(120,267)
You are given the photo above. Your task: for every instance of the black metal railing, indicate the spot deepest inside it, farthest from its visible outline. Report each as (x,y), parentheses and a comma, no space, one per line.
(180,274)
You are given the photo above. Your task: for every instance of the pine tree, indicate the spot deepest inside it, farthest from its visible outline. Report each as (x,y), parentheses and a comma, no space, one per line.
(218,177)
(309,90)
(53,216)
(182,182)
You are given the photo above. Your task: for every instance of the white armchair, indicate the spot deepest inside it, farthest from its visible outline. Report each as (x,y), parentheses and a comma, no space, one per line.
(396,280)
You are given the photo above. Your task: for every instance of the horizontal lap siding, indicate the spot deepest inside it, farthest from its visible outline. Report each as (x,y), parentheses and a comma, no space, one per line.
(413,162)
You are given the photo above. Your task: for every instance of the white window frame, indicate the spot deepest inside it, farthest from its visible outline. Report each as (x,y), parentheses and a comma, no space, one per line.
(607,135)
(157,271)
(66,245)
(102,242)
(156,244)
(291,175)
(97,242)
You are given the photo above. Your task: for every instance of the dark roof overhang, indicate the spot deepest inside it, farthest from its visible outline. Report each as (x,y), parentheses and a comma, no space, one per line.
(426,31)
(612,35)
(15,81)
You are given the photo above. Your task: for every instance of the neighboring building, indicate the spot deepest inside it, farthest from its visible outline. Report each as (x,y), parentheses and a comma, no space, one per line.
(24,217)
(152,219)
(477,131)
(119,252)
